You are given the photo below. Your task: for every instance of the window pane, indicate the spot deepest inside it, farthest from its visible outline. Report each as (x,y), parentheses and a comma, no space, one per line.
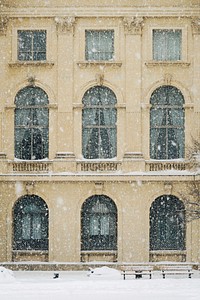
(31,45)
(36,227)
(30,220)
(24,41)
(99,119)
(158,117)
(26,227)
(105,225)
(99,44)
(167,124)
(99,224)
(94,225)
(167,224)
(167,44)
(31,124)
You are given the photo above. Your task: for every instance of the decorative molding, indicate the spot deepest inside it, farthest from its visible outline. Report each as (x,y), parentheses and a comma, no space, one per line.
(29,188)
(155,166)
(78,106)
(15,64)
(195,25)
(103,64)
(168,188)
(98,166)
(65,155)
(31,80)
(133,25)
(133,155)
(99,187)
(99,78)
(3,25)
(3,155)
(65,24)
(168,79)
(167,63)
(146,106)
(31,166)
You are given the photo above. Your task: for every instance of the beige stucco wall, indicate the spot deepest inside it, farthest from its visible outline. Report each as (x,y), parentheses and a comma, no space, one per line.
(65,77)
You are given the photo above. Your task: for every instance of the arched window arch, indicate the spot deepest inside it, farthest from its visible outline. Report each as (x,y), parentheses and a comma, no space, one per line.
(31,124)
(167,118)
(99,117)
(30,218)
(167,224)
(99,224)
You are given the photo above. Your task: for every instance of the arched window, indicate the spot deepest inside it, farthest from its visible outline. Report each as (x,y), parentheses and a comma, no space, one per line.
(167,123)
(167,224)
(99,135)
(31,124)
(99,224)
(30,217)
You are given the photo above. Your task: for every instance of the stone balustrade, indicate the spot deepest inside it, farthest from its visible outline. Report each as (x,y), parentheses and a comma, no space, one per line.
(166,166)
(98,166)
(31,166)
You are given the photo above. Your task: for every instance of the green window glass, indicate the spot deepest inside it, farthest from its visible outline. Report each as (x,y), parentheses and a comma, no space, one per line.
(167,119)
(31,45)
(99,224)
(99,116)
(167,44)
(167,224)
(30,217)
(31,124)
(99,45)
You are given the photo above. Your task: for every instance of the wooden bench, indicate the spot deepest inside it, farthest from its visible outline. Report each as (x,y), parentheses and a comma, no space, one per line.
(137,271)
(177,270)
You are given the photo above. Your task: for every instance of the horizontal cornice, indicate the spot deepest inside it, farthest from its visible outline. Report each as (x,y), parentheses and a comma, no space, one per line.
(32,12)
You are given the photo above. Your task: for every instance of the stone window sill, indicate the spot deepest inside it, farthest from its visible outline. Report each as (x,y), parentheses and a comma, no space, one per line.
(103,63)
(167,63)
(15,64)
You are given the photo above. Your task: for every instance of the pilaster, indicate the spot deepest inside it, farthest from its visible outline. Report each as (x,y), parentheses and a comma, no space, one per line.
(133,37)
(65,73)
(195,22)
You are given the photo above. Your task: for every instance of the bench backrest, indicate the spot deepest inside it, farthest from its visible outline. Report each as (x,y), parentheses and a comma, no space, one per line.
(137,268)
(177,268)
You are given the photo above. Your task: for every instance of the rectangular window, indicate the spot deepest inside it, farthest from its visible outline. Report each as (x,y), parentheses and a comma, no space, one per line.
(99,45)
(167,44)
(31,45)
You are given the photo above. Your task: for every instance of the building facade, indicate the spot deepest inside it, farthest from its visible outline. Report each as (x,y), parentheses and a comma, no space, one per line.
(98,105)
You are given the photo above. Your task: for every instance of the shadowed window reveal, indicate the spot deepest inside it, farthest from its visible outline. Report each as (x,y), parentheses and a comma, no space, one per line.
(167,224)
(31,45)
(30,217)
(99,224)
(31,124)
(167,119)
(99,117)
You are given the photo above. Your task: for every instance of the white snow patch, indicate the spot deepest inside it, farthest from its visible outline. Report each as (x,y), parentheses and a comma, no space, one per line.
(104,271)
(6,275)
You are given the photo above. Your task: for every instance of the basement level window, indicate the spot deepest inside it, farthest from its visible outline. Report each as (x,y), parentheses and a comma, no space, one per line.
(32,45)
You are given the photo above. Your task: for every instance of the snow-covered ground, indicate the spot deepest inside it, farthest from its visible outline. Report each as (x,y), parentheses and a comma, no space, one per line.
(102,285)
